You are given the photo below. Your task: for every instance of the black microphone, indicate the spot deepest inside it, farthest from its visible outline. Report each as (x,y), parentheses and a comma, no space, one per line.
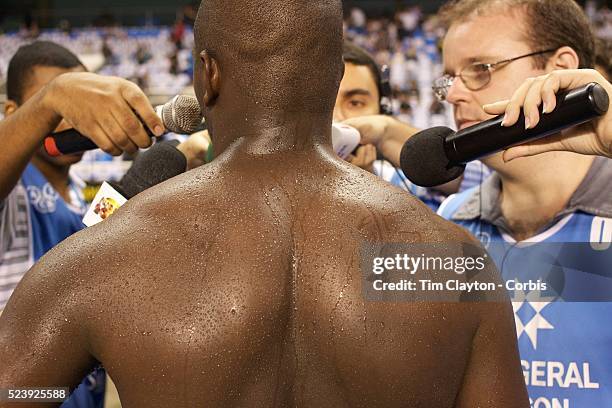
(438,155)
(68,141)
(180,115)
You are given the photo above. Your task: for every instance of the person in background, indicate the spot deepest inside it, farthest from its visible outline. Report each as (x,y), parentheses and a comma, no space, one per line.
(361,94)
(498,50)
(41,201)
(359,104)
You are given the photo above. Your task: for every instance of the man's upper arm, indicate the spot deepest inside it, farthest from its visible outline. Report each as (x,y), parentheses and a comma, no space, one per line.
(42,338)
(493,377)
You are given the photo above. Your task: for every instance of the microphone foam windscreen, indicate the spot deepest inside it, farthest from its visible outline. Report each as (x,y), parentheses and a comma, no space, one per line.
(151,167)
(423,158)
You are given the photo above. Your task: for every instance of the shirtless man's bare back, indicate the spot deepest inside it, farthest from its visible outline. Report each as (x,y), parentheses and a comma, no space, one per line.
(238,284)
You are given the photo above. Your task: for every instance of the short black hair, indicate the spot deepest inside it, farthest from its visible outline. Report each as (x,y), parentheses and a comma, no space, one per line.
(38,53)
(354,54)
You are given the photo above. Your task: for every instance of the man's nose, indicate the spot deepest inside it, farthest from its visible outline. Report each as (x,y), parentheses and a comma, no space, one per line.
(339,116)
(457,92)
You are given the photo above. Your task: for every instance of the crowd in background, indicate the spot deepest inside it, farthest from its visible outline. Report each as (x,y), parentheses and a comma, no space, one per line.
(149,56)
(160,61)
(408,44)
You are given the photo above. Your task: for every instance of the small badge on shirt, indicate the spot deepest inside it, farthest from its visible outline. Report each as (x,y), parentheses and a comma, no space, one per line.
(104,204)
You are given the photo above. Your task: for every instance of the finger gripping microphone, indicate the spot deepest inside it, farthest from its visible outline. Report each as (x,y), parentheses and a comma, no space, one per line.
(438,155)
(182,115)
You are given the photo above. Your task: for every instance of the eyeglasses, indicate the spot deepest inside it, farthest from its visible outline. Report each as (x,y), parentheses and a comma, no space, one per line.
(475,76)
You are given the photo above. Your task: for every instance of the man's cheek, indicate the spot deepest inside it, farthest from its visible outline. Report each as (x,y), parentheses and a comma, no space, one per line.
(483,98)
(371,109)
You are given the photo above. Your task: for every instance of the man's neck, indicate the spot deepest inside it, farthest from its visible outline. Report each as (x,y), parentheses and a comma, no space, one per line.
(534,192)
(263,133)
(57,176)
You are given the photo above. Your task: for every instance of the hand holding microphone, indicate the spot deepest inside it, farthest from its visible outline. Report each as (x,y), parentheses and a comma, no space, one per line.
(112,112)
(385,132)
(181,115)
(438,155)
(593,139)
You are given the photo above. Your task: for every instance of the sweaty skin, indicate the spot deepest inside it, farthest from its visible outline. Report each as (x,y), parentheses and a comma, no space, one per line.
(238,284)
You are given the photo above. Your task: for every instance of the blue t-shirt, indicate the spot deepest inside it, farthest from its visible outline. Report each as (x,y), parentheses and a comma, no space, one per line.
(52,219)
(565,347)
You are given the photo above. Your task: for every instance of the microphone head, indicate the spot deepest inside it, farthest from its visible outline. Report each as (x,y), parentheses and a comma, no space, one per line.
(181,115)
(423,158)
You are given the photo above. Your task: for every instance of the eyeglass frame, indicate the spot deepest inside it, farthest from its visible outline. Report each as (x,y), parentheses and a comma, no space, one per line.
(490,67)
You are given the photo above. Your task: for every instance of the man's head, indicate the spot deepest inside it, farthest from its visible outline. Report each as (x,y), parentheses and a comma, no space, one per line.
(361,87)
(489,31)
(31,68)
(267,58)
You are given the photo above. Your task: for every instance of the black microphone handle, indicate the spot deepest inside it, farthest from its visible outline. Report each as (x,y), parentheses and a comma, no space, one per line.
(67,142)
(574,107)
(71,141)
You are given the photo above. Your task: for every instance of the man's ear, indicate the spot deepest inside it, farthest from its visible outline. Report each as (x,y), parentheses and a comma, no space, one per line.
(212,78)
(564,58)
(10,107)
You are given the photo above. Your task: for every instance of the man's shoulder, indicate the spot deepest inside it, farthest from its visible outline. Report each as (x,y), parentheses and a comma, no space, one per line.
(174,197)
(406,218)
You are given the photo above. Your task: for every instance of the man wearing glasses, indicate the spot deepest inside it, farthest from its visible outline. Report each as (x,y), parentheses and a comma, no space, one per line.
(477,75)
(491,49)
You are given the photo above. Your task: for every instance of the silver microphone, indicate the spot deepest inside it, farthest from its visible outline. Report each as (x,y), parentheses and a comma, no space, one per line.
(181,114)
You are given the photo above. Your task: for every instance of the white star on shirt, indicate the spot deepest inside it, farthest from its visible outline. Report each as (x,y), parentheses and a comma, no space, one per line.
(537,322)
